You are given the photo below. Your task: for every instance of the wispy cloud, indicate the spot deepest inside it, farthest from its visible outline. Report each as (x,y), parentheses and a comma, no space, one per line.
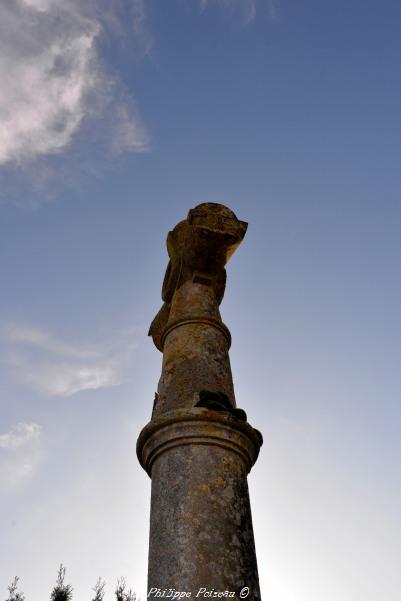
(19,436)
(54,378)
(139,25)
(20,455)
(55,367)
(53,79)
(34,337)
(246,7)
(272,6)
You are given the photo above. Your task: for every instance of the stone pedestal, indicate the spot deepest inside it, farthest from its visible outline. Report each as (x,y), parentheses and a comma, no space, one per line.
(201,534)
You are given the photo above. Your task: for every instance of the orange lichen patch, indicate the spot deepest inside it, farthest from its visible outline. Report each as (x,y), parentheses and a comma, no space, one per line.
(228,464)
(205,488)
(210,427)
(218,481)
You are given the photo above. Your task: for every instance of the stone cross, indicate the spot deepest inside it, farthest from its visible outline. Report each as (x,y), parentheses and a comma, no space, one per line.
(199,447)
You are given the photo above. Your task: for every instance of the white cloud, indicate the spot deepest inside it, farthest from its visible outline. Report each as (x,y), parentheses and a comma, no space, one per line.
(19,436)
(20,455)
(53,79)
(55,367)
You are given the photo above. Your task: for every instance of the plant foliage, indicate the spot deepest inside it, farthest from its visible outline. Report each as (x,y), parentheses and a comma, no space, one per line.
(61,592)
(122,594)
(99,590)
(14,594)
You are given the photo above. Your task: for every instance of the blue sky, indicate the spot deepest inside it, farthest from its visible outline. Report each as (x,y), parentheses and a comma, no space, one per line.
(115,119)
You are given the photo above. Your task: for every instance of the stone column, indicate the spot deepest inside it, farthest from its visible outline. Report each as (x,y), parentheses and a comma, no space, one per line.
(198,447)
